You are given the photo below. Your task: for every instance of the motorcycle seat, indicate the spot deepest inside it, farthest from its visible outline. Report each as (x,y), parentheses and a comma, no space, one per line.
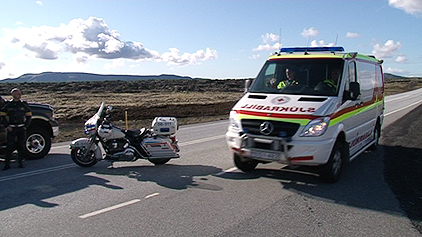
(137,133)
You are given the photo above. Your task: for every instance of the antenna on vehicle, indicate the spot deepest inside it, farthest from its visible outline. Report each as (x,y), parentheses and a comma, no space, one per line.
(336,39)
(279,38)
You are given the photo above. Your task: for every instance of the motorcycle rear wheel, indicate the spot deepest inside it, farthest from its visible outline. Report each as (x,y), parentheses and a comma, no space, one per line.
(160,161)
(77,155)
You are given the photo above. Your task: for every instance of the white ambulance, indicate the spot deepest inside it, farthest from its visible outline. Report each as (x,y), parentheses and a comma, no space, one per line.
(309,106)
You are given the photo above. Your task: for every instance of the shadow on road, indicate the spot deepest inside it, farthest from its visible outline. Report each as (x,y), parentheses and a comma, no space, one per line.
(403,173)
(361,185)
(169,175)
(35,185)
(22,187)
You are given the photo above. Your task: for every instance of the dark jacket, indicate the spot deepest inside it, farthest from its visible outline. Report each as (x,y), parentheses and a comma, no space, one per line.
(18,112)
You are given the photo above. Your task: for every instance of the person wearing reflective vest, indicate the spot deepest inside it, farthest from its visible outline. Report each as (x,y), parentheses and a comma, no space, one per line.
(329,84)
(16,117)
(291,75)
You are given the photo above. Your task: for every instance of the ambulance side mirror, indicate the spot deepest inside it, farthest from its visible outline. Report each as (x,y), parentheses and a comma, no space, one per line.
(248,83)
(354,91)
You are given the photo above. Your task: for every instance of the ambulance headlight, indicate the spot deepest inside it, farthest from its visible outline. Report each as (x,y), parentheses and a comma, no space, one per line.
(234,122)
(316,127)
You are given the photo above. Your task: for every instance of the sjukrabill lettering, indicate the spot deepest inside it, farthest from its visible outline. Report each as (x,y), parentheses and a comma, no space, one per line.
(360,139)
(293,109)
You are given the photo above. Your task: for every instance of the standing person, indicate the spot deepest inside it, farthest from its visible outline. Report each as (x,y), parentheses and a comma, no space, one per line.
(16,117)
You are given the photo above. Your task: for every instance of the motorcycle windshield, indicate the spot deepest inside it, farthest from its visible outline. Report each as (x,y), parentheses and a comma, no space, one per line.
(91,124)
(101,109)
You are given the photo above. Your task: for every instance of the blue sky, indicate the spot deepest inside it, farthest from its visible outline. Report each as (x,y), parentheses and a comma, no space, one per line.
(207,39)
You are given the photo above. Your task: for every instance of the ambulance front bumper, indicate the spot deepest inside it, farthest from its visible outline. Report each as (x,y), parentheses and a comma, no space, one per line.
(281,150)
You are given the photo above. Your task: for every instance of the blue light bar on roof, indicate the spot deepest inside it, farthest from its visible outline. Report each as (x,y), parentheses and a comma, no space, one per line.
(312,49)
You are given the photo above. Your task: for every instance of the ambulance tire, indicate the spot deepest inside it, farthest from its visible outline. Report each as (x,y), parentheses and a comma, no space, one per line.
(331,171)
(244,165)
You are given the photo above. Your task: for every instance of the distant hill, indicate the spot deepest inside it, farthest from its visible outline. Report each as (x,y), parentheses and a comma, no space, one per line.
(389,76)
(80,77)
(76,77)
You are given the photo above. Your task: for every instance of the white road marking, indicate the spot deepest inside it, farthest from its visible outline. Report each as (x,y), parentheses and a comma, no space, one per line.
(59,147)
(202,140)
(397,110)
(35,172)
(109,208)
(151,195)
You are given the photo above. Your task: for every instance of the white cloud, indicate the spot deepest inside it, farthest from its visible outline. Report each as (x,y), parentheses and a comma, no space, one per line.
(395,70)
(92,38)
(173,58)
(2,64)
(81,58)
(268,43)
(268,47)
(352,35)
(255,56)
(413,7)
(320,43)
(401,59)
(269,38)
(39,3)
(311,32)
(387,50)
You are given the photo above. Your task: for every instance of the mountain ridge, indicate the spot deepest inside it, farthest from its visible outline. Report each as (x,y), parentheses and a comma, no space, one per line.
(81,77)
(86,77)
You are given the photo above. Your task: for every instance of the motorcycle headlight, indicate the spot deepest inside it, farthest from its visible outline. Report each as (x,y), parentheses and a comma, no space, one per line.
(316,127)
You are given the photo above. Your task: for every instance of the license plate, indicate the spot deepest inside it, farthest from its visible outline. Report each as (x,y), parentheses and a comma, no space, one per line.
(265,155)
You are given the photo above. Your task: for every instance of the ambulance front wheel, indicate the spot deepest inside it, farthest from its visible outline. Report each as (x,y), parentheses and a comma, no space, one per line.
(331,171)
(244,164)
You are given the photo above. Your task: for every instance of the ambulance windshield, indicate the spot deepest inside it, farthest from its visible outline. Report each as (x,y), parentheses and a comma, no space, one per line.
(299,76)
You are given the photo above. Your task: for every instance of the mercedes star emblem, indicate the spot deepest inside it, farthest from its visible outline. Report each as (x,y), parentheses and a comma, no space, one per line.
(266,128)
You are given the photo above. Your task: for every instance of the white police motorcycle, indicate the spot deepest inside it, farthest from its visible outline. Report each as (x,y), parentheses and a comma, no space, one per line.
(107,141)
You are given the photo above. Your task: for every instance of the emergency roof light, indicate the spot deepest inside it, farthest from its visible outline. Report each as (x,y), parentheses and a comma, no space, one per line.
(312,49)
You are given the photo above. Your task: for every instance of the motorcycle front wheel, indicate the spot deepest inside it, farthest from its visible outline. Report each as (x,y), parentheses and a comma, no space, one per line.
(78,157)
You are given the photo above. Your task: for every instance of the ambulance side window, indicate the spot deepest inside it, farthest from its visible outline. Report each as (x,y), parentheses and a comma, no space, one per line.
(379,77)
(270,76)
(270,71)
(352,71)
(350,77)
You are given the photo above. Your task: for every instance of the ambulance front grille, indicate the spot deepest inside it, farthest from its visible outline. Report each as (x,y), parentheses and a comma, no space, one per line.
(252,126)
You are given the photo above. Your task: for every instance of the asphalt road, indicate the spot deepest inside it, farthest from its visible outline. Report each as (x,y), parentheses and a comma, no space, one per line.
(201,194)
